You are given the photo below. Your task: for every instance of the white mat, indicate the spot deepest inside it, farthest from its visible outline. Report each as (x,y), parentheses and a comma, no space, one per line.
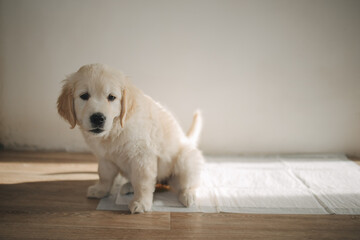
(293,184)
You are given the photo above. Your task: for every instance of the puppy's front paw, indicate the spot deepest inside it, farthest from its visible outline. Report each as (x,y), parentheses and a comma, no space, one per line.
(139,206)
(96,191)
(187,198)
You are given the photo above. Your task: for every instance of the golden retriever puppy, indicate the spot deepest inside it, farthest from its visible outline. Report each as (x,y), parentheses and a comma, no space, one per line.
(131,134)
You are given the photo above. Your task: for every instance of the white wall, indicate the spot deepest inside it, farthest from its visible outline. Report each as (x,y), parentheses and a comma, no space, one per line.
(270,76)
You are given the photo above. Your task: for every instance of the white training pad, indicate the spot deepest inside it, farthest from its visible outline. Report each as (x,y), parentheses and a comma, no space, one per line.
(292,184)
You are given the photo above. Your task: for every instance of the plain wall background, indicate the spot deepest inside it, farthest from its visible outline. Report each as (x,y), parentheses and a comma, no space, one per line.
(269,76)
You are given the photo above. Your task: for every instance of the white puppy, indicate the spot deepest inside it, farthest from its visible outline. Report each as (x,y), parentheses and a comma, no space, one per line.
(131,134)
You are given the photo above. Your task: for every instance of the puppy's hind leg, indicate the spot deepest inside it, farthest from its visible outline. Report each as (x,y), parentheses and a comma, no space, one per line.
(186,176)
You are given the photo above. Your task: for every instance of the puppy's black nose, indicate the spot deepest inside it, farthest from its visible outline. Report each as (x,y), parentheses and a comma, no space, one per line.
(97,120)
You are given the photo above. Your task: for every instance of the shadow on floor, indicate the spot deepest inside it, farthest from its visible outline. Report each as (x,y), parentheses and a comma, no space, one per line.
(61,195)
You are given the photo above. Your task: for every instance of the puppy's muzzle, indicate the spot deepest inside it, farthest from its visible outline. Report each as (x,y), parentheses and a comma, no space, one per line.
(97,122)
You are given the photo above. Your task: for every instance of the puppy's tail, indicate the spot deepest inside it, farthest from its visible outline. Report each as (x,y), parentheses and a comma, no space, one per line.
(194,132)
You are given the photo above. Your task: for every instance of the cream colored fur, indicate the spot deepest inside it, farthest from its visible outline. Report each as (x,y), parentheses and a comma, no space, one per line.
(140,140)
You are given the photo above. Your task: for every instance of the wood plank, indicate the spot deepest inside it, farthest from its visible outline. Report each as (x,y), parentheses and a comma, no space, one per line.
(235,226)
(38,167)
(205,222)
(66,195)
(42,196)
(46,157)
(47,167)
(256,231)
(64,203)
(20,177)
(88,219)
(38,232)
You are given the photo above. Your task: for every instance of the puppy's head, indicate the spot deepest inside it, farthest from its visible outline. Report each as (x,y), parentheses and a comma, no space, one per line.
(94,98)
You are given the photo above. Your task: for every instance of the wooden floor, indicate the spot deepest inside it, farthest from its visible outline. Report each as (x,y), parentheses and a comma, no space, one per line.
(42,196)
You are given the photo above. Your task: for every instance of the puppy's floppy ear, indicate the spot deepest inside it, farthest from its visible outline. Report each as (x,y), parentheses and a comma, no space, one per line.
(65,103)
(124,105)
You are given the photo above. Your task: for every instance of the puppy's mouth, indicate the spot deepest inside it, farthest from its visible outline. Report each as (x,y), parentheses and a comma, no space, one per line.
(97,130)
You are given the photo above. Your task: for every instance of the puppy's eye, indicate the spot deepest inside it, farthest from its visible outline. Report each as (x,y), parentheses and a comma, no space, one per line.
(111,98)
(85,96)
